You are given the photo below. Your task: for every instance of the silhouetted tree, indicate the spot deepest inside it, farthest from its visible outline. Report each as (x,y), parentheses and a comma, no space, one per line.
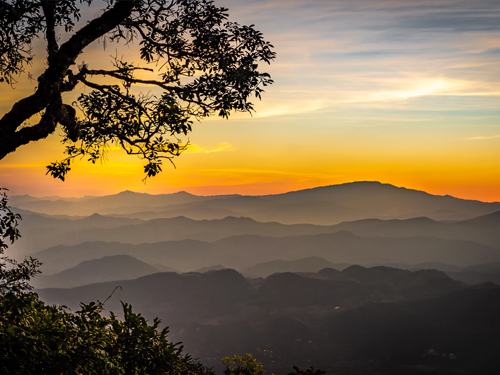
(14,276)
(200,64)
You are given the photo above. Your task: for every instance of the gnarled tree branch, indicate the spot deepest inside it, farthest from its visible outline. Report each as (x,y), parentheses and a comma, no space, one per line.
(51,80)
(204,65)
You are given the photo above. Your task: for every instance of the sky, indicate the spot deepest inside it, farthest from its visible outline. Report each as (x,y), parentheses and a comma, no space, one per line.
(399,91)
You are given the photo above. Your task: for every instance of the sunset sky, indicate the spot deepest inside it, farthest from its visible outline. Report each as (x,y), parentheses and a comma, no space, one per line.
(399,91)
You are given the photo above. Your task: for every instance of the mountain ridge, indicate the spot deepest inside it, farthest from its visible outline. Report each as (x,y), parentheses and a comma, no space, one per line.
(320,205)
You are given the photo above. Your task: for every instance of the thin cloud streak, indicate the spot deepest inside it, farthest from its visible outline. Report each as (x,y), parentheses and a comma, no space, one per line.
(483,137)
(365,51)
(195,149)
(376,82)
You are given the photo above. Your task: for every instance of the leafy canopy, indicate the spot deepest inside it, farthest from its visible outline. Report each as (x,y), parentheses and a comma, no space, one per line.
(14,276)
(194,63)
(41,339)
(36,338)
(238,365)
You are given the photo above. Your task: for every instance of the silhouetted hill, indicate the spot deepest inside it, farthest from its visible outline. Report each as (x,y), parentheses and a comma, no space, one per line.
(379,319)
(344,247)
(205,230)
(482,229)
(186,255)
(280,289)
(171,296)
(216,293)
(310,264)
(475,277)
(323,205)
(329,272)
(117,267)
(124,202)
(374,199)
(422,266)
(41,232)
(217,267)
(333,204)
(370,275)
(476,274)
(491,219)
(244,251)
(164,268)
(196,212)
(488,268)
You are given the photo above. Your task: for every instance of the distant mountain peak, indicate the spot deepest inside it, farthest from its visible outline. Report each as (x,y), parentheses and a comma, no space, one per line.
(178,193)
(125,192)
(185,193)
(95,215)
(234,218)
(493,214)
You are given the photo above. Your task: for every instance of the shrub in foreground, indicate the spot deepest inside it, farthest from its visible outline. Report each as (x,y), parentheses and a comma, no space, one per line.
(39,339)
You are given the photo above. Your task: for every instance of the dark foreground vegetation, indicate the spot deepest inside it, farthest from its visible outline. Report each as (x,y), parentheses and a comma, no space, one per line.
(360,320)
(36,338)
(327,313)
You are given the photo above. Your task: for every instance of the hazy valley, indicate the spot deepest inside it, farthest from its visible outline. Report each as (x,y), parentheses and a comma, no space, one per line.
(345,278)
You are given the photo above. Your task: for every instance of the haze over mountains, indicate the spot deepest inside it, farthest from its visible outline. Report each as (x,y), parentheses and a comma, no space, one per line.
(247,250)
(353,269)
(324,205)
(370,317)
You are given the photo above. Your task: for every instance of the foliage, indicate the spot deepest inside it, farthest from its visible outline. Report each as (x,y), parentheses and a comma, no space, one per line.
(246,365)
(194,63)
(309,371)
(14,276)
(40,339)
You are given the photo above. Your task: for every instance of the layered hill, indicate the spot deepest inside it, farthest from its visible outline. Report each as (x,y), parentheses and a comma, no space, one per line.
(323,205)
(248,250)
(194,296)
(309,264)
(40,232)
(109,268)
(382,319)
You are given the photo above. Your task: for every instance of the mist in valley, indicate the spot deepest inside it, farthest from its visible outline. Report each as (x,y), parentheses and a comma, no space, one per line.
(347,278)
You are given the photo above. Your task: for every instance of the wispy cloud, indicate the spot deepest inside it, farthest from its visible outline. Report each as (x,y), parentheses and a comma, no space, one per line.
(224,146)
(371,81)
(483,137)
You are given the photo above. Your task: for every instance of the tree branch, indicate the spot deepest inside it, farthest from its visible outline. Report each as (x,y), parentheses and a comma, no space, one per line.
(129,79)
(50,32)
(51,80)
(44,128)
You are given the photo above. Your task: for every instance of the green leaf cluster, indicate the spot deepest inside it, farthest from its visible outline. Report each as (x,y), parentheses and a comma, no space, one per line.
(14,275)
(238,365)
(36,338)
(308,371)
(39,339)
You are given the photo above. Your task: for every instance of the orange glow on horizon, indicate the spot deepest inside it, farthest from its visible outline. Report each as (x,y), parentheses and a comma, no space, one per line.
(348,104)
(31,180)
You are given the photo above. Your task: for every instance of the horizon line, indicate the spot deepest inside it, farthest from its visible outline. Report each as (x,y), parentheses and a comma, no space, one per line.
(257,195)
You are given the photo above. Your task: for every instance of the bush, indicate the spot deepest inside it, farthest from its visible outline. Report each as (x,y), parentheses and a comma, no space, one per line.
(39,339)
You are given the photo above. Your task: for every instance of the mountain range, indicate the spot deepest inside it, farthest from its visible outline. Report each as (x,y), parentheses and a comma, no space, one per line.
(354,278)
(380,319)
(110,268)
(125,267)
(323,205)
(248,250)
(41,232)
